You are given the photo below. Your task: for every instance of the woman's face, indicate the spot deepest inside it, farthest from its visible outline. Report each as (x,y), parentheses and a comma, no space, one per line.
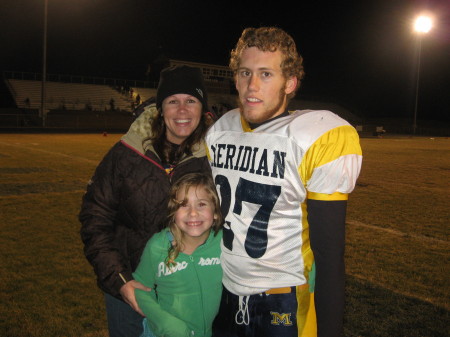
(181,113)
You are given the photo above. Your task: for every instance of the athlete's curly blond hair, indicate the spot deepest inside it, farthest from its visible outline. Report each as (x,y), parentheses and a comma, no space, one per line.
(271,39)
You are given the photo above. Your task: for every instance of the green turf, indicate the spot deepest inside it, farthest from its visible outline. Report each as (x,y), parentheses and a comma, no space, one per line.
(397,238)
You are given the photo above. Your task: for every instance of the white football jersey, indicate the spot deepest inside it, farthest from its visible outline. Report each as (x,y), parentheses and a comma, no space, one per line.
(264,177)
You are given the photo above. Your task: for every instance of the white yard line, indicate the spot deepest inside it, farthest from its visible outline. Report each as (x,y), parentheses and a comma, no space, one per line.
(24,146)
(33,195)
(397,232)
(398,291)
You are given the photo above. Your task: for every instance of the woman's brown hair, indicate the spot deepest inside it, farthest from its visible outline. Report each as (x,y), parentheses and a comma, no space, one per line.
(163,147)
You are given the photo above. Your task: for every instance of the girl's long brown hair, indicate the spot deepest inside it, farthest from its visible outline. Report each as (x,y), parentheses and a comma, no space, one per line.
(186,182)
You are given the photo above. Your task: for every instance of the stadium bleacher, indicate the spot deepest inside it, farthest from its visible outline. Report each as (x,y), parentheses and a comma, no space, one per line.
(84,102)
(83,105)
(68,96)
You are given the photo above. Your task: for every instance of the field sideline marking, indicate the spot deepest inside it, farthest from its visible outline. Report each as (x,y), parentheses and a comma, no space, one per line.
(397,232)
(31,194)
(398,292)
(50,152)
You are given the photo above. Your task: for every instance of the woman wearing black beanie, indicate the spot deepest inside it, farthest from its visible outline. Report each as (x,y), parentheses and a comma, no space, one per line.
(126,199)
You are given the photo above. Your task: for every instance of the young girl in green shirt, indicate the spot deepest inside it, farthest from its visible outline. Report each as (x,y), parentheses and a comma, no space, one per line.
(182,263)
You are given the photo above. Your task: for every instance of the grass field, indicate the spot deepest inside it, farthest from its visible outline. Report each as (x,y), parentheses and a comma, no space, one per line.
(397,238)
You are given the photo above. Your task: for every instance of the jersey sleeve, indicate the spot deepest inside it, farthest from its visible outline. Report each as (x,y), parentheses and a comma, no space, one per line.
(332,164)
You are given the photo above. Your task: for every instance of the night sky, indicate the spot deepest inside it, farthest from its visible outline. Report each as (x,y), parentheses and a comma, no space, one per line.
(360,54)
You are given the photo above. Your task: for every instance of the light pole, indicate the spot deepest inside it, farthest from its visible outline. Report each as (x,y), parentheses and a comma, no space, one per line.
(42,112)
(422,25)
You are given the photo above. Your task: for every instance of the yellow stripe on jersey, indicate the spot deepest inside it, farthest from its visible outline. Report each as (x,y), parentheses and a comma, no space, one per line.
(245,126)
(208,155)
(327,197)
(306,312)
(337,142)
(307,254)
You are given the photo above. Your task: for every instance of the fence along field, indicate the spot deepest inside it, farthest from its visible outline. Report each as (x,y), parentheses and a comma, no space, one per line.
(397,238)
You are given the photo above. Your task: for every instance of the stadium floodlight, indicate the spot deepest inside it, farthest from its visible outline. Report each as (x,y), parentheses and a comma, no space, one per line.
(422,25)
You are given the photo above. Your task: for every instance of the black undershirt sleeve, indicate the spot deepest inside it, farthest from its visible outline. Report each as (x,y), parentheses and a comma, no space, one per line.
(327,233)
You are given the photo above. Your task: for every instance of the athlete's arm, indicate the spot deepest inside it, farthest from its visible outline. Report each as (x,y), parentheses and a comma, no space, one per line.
(327,233)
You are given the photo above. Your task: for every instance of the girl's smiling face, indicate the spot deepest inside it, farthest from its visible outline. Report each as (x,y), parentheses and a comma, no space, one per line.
(196,214)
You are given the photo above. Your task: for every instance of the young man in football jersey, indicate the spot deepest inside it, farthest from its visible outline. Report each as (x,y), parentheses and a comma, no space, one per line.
(283,177)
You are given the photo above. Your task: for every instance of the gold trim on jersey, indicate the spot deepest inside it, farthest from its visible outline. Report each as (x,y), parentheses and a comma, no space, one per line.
(337,142)
(327,197)
(208,155)
(245,126)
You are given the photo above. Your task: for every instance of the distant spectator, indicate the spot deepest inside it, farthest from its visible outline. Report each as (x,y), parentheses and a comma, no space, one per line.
(138,99)
(27,102)
(143,106)
(112,104)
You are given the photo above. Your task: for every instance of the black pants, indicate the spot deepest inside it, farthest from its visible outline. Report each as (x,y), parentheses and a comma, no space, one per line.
(268,316)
